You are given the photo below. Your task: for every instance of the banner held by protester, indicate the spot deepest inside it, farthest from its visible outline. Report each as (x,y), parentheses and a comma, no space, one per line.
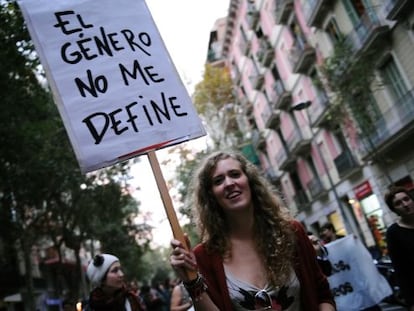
(355,282)
(112,78)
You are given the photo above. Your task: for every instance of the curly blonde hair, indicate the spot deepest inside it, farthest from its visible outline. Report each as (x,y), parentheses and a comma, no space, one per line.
(272,228)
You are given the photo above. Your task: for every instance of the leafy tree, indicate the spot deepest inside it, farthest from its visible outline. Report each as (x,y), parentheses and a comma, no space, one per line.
(40,181)
(350,78)
(214,100)
(216,88)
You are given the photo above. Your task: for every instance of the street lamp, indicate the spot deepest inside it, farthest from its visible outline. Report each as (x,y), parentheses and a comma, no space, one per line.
(304,106)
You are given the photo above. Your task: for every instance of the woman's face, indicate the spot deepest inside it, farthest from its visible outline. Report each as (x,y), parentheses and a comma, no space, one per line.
(231,186)
(115,276)
(403,204)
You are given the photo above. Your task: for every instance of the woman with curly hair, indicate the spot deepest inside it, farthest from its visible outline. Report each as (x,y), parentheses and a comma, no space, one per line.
(253,255)
(109,288)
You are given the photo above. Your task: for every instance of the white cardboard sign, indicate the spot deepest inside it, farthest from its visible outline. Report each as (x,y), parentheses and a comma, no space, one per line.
(113,80)
(355,282)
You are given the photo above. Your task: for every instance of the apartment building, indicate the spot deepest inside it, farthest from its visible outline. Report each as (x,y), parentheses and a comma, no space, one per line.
(329,167)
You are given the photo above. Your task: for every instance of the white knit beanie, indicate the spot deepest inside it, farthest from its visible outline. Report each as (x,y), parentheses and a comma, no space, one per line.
(98,267)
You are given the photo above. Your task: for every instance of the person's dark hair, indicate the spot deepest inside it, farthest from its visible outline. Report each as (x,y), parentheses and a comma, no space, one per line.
(272,229)
(389,196)
(328,226)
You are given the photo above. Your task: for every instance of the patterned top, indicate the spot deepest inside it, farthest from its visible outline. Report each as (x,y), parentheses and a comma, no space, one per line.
(245,296)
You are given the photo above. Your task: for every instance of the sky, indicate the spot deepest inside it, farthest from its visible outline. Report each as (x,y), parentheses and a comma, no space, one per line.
(185,27)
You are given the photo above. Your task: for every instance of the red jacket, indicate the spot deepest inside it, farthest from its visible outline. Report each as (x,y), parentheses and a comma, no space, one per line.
(314,287)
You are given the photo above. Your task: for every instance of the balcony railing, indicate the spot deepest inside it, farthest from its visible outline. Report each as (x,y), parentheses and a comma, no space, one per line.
(345,163)
(235,75)
(280,97)
(301,56)
(272,175)
(297,143)
(283,10)
(301,200)
(273,120)
(319,110)
(284,159)
(395,120)
(315,11)
(394,8)
(247,107)
(266,54)
(368,33)
(257,81)
(315,187)
(253,16)
(258,140)
(245,47)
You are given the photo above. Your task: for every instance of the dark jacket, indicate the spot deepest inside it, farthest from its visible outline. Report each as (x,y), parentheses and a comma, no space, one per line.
(99,301)
(401,250)
(314,286)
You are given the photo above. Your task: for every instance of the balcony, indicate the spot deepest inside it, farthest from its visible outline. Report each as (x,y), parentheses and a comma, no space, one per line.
(301,201)
(283,10)
(280,97)
(257,81)
(394,127)
(315,11)
(346,164)
(272,175)
(285,160)
(315,187)
(394,9)
(258,140)
(368,34)
(302,56)
(266,54)
(245,47)
(319,111)
(297,144)
(245,43)
(235,75)
(246,105)
(273,120)
(253,16)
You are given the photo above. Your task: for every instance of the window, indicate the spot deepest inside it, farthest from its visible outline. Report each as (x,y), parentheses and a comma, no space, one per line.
(312,167)
(355,9)
(317,83)
(333,31)
(393,79)
(366,111)
(275,73)
(297,34)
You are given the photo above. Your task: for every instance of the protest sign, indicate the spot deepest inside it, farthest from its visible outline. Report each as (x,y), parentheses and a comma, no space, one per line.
(112,78)
(355,282)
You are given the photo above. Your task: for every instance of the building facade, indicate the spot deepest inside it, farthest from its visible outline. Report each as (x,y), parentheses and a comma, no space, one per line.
(330,165)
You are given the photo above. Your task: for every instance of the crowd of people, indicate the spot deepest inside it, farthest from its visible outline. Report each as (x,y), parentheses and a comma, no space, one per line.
(252,254)
(111,290)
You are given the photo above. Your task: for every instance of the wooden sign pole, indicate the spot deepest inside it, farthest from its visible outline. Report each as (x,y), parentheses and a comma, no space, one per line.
(168,206)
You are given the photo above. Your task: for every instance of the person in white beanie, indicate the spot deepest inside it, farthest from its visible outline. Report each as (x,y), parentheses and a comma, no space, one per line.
(109,288)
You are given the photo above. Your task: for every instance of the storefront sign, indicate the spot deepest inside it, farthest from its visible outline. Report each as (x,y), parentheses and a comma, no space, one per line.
(363,190)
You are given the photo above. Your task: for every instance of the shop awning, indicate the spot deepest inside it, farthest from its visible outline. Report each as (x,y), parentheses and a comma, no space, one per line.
(13,298)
